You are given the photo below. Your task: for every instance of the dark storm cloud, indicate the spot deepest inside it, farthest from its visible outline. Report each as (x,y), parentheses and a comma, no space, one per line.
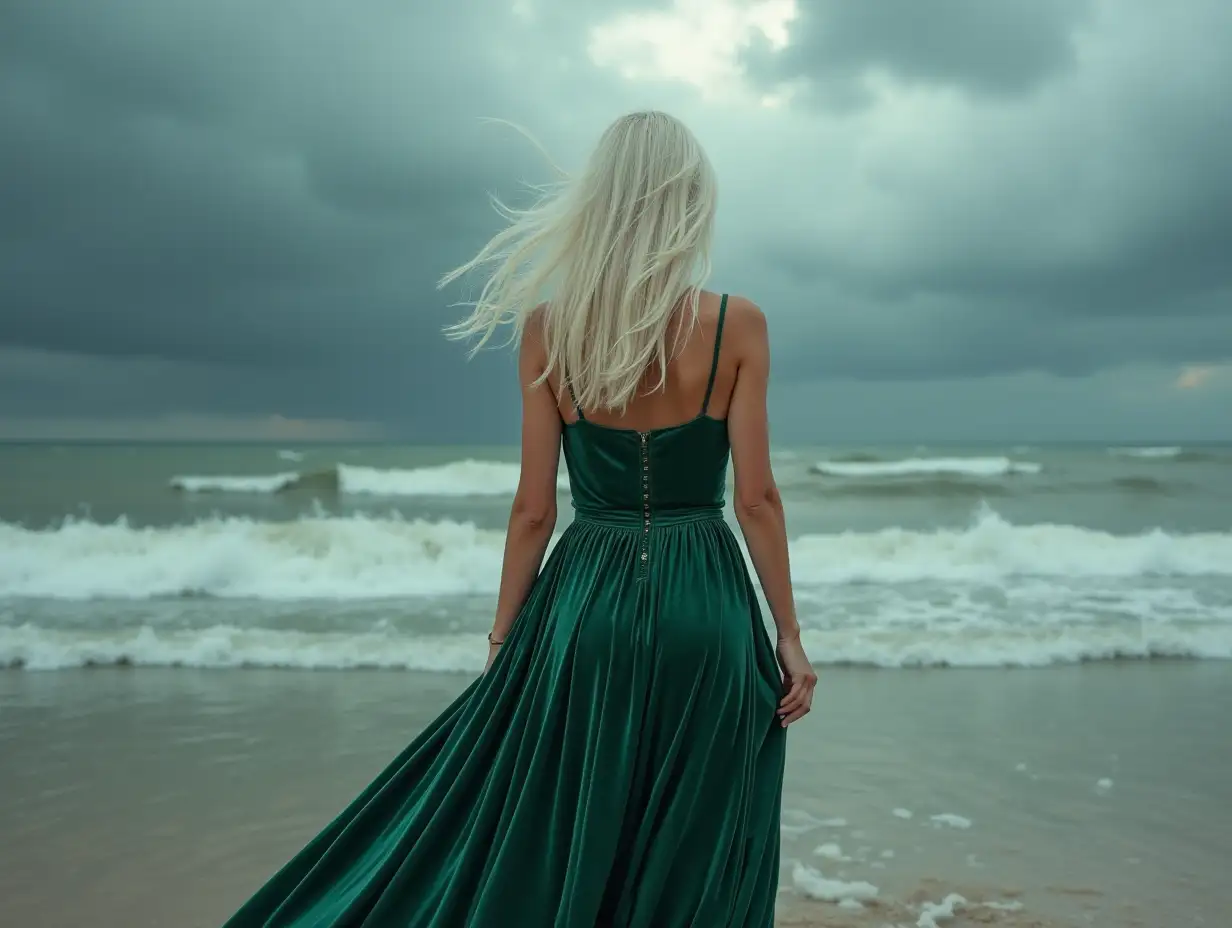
(226,186)
(1083,225)
(956,340)
(988,48)
(204,162)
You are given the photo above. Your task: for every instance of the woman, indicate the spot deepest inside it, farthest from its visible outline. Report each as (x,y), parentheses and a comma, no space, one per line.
(620,761)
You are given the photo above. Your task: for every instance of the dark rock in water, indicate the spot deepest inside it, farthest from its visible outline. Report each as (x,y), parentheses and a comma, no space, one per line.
(1140,484)
(321,481)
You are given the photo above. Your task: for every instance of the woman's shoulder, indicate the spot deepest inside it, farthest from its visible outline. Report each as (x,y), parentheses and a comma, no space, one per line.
(743,320)
(532,329)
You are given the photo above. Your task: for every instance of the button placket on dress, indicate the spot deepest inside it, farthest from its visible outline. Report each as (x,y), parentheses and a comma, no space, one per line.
(645,553)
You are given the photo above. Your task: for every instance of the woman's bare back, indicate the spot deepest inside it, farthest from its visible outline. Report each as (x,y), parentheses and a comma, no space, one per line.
(683,395)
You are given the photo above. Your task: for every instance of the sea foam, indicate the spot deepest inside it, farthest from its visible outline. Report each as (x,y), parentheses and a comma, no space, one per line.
(978,467)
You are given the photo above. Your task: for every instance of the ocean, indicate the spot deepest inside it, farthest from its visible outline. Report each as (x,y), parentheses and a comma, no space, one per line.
(388,556)
(1021,718)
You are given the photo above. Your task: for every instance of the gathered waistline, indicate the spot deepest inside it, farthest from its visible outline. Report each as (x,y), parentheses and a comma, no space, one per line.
(633,518)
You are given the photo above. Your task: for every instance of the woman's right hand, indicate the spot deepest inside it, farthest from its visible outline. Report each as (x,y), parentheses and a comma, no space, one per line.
(799,680)
(493,651)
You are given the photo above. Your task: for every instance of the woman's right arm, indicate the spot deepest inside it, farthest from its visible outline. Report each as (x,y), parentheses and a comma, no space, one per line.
(759,507)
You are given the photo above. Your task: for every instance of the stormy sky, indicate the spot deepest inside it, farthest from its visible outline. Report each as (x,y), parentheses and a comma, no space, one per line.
(964,220)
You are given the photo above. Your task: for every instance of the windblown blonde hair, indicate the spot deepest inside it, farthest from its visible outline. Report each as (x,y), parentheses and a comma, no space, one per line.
(612,253)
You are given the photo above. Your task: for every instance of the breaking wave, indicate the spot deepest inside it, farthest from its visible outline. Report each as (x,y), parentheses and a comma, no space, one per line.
(457,478)
(362,557)
(1166,454)
(974,467)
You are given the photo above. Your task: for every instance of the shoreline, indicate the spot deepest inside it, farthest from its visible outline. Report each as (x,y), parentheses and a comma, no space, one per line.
(125,663)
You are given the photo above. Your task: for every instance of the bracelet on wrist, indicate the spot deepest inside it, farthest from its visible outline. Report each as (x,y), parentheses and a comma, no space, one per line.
(492,641)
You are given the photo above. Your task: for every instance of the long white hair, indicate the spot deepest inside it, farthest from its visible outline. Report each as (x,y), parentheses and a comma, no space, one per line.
(613,253)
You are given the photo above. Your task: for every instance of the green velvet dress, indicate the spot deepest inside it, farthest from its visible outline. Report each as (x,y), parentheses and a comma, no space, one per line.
(620,764)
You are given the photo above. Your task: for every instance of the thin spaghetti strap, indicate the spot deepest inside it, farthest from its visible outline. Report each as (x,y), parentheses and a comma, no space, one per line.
(573,398)
(718,343)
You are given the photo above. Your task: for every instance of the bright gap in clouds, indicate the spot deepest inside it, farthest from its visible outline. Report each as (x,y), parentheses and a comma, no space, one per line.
(696,42)
(1196,376)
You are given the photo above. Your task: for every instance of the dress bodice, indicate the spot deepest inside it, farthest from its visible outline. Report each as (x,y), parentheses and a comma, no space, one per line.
(660,471)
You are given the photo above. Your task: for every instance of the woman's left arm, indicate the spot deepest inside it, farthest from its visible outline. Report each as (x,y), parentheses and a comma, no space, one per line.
(532,518)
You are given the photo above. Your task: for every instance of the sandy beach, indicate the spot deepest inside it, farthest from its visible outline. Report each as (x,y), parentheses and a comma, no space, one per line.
(1081,795)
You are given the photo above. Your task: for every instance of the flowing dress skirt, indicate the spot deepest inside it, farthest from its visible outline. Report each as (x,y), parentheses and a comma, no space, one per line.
(619,765)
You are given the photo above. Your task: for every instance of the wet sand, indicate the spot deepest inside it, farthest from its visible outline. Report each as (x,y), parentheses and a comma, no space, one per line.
(1088,795)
